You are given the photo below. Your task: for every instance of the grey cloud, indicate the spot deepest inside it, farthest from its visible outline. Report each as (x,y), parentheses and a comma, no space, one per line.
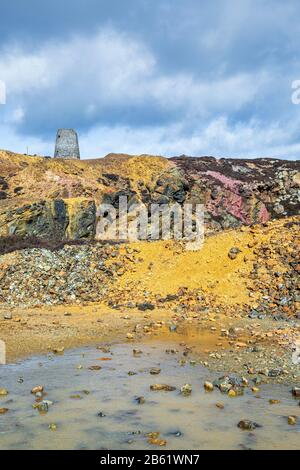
(208,69)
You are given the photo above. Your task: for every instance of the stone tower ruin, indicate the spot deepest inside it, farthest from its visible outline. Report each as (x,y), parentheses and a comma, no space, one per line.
(67,144)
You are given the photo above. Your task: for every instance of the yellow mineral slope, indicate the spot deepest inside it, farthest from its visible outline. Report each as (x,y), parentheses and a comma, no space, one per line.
(163,267)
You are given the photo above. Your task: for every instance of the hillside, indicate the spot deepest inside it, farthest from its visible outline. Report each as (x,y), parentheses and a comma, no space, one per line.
(51,198)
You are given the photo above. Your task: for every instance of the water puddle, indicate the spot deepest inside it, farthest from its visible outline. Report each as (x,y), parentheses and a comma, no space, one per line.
(97,409)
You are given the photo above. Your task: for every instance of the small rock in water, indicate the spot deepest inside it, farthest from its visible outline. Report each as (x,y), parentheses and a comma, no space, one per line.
(153,438)
(95,368)
(42,407)
(296,392)
(52,427)
(220,406)
(292,420)
(3,392)
(157,442)
(208,386)
(76,397)
(140,400)
(232,393)
(274,402)
(101,414)
(137,352)
(162,387)
(153,435)
(155,371)
(247,425)
(3,411)
(225,387)
(186,390)
(37,389)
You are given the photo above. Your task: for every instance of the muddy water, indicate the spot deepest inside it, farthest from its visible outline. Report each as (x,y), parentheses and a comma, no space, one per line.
(192,422)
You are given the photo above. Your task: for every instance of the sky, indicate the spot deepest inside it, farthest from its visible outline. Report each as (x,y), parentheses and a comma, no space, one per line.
(161,77)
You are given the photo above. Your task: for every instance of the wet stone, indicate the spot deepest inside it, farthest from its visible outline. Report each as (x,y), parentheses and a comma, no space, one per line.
(296,392)
(248,425)
(186,390)
(162,387)
(292,420)
(208,386)
(155,371)
(140,400)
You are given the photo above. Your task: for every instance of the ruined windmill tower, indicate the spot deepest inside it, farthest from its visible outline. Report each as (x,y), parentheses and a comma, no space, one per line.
(67,144)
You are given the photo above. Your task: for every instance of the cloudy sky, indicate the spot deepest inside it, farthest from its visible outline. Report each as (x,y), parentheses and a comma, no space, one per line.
(164,77)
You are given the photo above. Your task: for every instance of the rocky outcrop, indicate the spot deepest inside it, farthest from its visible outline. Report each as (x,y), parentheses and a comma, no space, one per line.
(57,219)
(237,192)
(49,198)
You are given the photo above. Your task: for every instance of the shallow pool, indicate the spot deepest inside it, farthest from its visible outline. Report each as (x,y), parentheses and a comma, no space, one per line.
(97,409)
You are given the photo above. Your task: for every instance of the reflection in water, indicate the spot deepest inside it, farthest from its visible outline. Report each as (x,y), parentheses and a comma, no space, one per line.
(97,409)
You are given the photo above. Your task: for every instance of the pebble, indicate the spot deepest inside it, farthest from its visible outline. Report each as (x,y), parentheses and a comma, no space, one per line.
(247,425)
(42,407)
(296,392)
(233,252)
(146,306)
(137,352)
(3,392)
(155,371)
(37,389)
(153,438)
(95,368)
(140,400)
(186,390)
(52,427)
(162,387)
(208,386)
(292,420)
(157,442)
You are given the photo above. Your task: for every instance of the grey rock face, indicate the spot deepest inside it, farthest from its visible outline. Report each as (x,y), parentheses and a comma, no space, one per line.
(67,144)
